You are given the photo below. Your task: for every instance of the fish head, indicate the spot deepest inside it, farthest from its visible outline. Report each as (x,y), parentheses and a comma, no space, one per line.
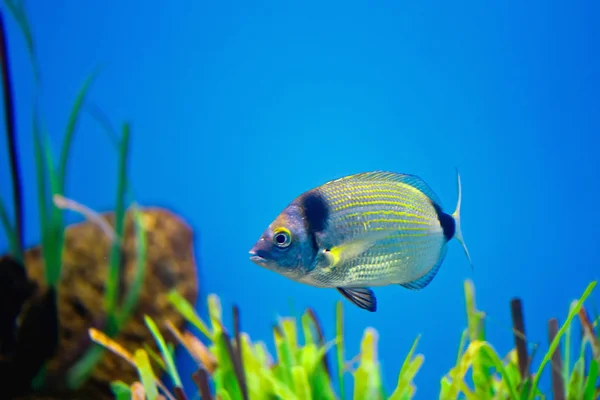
(285,246)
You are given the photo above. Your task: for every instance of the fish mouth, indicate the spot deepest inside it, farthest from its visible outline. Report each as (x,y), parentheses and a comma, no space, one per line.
(259,256)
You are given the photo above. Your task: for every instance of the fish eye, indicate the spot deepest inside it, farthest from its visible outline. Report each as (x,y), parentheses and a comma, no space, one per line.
(282,238)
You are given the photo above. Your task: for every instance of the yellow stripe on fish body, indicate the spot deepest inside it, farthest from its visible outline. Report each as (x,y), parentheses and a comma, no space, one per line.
(382,228)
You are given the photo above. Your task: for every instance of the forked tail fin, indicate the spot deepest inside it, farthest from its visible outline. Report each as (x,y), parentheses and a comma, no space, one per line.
(456,215)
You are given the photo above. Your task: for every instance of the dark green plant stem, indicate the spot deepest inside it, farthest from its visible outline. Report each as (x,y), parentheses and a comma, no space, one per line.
(112,288)
(519,332)
(238,352)
(320,338)
(71,125)
(238,369)
(135,289)
(558,385)
(11,137)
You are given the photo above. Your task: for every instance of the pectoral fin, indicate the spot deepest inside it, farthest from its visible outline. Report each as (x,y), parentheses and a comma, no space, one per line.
(361,297)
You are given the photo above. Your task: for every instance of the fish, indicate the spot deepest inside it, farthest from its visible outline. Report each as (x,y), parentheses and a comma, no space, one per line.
(364,230)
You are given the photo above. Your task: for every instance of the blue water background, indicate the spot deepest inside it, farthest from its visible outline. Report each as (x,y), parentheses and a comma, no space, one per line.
(238,107)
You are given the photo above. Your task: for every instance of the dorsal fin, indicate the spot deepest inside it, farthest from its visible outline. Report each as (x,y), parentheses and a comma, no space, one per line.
(408,179)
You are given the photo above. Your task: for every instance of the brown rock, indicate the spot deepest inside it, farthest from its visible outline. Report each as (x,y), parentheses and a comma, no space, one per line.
(170,264)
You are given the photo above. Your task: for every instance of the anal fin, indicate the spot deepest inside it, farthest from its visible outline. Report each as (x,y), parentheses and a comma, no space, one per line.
(426,279)
(361,297)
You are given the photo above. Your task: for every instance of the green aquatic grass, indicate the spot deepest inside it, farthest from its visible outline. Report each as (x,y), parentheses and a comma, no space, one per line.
(114,269)
(142,362)
(51,183)
(298,370)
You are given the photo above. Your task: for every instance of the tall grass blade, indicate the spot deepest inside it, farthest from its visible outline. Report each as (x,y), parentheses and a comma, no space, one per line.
(15,234)
(17,8)
(41,194)
(112,286)
(339,332)
(146,374)
(133,295)
(556,340)
(71,126)
(188,312)
(55,223)
(121,390)
(10,233)
(164,351)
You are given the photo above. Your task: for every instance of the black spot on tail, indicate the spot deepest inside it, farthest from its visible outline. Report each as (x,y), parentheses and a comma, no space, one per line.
(446,221)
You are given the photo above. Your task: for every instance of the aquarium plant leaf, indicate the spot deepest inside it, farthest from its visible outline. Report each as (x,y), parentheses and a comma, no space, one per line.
(111,133)
(284,356)
(215,312)
(367,379)
(590,384)
(288,329)
(114,272)
(70,130)
(201,352)
(588,330)
(41,191)
(15,234)
(172,370)
(575,388)
(556,340)
(188,312)
(475,317)
(134,292)
(121,390)
(301,386)
(137,391)
(312,357)
(458,373)
(15,249)
(321,338)
(566,365)
(200,378)
(223,394)
(146,374)
(17,8)
(154,356)
(339,331)
(53,254)
(237,353)
(519,332)
(558,383)
(226,375)
(407,373)
(92,216)
(78,373)
(102,339)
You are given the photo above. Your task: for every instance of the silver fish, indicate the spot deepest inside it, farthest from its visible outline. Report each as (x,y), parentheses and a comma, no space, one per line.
(369,229)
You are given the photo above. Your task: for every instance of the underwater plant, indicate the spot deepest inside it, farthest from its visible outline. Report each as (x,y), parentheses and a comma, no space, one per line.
(494,377)
(235,367)
(238,368)
(25,347)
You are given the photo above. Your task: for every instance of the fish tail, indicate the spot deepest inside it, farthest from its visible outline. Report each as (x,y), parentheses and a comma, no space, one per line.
(456,215)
